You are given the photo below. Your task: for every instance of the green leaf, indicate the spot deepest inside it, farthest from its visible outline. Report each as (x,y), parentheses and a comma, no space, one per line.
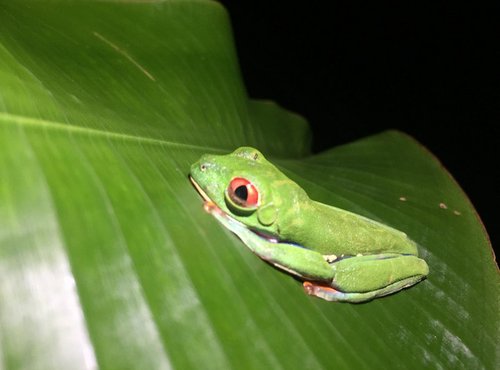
(107,258)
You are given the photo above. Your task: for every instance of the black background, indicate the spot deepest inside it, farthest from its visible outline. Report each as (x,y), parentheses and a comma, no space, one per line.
(354,70)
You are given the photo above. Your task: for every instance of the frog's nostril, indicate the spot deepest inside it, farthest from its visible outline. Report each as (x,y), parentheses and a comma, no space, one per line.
(203,167)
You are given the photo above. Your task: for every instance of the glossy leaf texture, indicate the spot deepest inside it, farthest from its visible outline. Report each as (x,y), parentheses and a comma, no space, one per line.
(107,259)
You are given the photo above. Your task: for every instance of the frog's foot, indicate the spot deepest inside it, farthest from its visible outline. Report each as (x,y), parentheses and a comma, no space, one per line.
(329,294)
(323,291)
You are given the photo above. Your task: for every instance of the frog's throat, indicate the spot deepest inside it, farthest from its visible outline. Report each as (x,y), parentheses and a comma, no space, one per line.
(218,213)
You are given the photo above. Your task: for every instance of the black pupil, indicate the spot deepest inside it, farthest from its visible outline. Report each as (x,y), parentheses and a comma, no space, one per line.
(241,192)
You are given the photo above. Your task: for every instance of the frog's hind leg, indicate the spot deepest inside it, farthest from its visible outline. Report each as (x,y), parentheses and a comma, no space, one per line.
(359,279)
(330,294)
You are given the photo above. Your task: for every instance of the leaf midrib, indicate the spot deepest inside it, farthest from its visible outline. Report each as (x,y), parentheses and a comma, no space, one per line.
(53,125)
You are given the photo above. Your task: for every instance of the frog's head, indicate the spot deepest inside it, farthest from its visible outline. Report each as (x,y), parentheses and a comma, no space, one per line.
(244,185)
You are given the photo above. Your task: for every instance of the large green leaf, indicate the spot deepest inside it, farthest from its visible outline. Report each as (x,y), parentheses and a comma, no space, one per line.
(106,257)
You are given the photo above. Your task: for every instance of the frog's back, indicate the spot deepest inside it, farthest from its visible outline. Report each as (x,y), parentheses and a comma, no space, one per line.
(332,230)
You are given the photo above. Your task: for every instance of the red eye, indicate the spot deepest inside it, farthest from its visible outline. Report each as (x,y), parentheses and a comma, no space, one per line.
(243,192)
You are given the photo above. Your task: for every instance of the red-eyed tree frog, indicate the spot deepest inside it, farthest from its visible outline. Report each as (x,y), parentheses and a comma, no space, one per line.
(339,255)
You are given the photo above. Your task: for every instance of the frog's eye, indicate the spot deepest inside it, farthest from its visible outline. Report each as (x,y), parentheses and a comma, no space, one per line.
(242,193)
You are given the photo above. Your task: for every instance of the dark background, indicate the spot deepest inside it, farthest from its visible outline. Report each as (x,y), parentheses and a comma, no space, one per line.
(354,70)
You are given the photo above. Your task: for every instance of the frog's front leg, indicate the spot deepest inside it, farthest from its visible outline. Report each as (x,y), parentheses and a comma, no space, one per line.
(294,259)
(362,278)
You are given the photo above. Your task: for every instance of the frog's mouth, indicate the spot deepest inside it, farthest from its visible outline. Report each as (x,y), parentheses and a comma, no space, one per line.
(198,188)
(212,208)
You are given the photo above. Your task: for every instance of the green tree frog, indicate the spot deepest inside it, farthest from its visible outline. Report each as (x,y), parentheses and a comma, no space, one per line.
(339,255)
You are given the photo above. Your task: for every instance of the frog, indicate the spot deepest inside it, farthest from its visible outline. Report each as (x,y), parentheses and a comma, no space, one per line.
(338,255)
